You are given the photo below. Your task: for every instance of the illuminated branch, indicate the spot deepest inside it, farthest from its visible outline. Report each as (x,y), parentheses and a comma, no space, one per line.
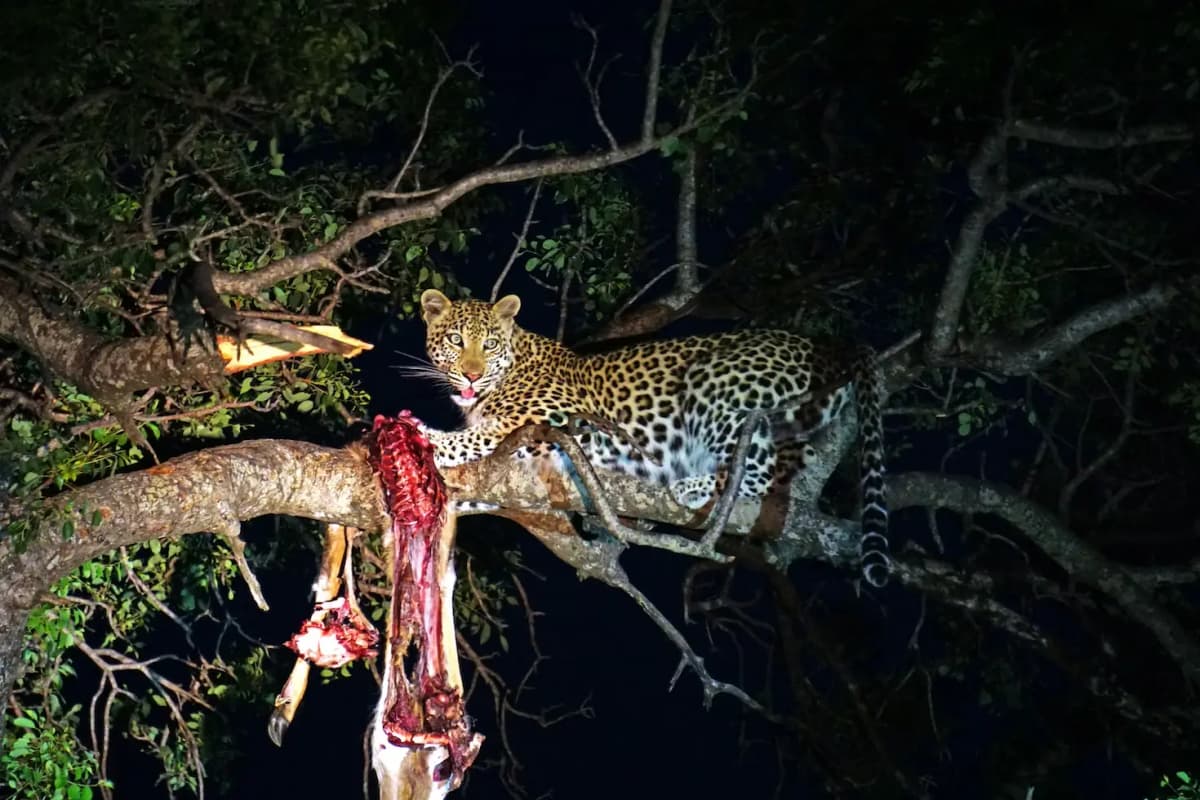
(430,205)
(109,370)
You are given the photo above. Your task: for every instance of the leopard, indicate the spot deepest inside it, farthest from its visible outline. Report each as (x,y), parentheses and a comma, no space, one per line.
(676,407)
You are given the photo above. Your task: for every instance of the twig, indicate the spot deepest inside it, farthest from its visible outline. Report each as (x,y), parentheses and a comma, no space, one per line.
(232,532)
(153,600)
(593,87)
(519,245)
(443,76)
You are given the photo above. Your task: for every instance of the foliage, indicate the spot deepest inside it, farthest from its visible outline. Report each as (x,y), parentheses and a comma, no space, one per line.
(597,244)
(41,760)
(1181,787)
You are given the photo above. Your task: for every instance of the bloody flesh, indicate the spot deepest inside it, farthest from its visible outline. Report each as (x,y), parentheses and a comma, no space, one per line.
(424,706)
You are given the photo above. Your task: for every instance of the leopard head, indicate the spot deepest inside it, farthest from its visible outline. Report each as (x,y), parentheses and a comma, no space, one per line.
(471,341)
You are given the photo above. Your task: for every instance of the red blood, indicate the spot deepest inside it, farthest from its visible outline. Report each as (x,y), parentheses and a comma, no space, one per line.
(423,708)
(337,640)
(412,487)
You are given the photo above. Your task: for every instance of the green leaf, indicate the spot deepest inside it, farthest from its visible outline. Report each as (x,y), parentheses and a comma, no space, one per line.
(413,252)
(330,230)
(277,172)
(23,722)
(305,407)
(1183,777)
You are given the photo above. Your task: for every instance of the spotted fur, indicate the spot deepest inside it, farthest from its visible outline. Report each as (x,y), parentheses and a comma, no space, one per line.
(678,405)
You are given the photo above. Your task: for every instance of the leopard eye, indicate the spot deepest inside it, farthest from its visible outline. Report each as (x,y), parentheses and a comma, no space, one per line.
(455,339)
(490,344)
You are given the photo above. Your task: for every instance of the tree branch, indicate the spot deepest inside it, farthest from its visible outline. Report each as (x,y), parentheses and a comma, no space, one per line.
(108,369)
(653,68)
(1077,557)
(1022,358)
(443,76)
(987,175)
(1083,139)
(432,205)
(946,319)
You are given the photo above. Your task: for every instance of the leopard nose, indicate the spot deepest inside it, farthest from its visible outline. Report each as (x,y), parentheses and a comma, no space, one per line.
(472,376)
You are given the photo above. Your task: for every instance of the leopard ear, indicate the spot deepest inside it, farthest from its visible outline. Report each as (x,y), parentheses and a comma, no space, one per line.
(433,305)
(506,308)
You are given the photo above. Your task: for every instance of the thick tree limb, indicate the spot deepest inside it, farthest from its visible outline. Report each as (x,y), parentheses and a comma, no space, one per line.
(1022,358)
(1083,139)
(1073,553)
(194,493)
(987,175)
(108,369)
(206,490)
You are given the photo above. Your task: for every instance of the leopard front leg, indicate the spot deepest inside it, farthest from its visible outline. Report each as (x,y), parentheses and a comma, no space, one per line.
(452,448)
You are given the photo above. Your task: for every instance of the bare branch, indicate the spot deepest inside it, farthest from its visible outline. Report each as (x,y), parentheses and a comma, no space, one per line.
(443,76)
(947,317)
(324,257)
(520,243)
(593,85)
(1013,358)
(687,281)
(1081,560)
(736,473)
(1072,486)
(653,68)
(1099,140)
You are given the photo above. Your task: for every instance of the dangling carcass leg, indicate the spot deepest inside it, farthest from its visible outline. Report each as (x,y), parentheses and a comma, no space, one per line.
(327,586)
